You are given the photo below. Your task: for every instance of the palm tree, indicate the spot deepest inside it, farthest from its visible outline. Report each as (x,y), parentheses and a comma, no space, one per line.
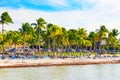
(115,32)
(13,38)
(92,37)
(101,34)
(72,36)
(86,43)
(55,33)
(58,36)
(32,37)
(38,26)
(9,37)
(48,33)
(112,40)
(82,34)
(5,19)
(16,38)
(24,31)
(64,40)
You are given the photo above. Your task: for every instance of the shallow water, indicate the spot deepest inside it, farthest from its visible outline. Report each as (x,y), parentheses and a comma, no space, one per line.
(81,72)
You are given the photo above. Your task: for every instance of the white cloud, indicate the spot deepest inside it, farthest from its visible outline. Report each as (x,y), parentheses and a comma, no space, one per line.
(68,19)
(58,2)
(105,12)
(50,2)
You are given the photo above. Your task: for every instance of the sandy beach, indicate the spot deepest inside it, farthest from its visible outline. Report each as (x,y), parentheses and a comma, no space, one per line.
(55,62)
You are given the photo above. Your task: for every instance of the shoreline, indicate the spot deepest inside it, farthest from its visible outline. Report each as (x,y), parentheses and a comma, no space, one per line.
(56,62)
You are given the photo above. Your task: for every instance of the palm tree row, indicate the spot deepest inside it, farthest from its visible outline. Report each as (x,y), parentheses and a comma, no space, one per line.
(52,37)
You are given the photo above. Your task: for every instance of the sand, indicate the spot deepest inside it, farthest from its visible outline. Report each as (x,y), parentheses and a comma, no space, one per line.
(56,62)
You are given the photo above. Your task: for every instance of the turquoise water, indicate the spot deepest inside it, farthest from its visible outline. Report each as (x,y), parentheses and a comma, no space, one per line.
(81,72)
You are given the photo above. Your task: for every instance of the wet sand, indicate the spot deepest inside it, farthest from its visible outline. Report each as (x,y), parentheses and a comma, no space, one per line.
(56,62)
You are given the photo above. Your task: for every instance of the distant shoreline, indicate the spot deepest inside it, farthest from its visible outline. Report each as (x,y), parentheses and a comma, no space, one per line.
(55,62)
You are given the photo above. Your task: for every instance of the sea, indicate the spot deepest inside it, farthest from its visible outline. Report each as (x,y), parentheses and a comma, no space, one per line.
(76,72)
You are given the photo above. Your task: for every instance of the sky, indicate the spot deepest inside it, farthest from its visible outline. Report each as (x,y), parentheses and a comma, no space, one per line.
(71,14)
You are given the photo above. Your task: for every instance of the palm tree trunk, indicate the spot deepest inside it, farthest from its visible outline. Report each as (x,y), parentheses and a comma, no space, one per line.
(3,51)
(108,47)
(24,41)
(15,49)
(3,43)
(38,40)
(49,46)
(114,50)
(100,46)
(2,28)
(94,46)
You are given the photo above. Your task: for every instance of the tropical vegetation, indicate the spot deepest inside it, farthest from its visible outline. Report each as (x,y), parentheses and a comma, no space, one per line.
(52,37)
